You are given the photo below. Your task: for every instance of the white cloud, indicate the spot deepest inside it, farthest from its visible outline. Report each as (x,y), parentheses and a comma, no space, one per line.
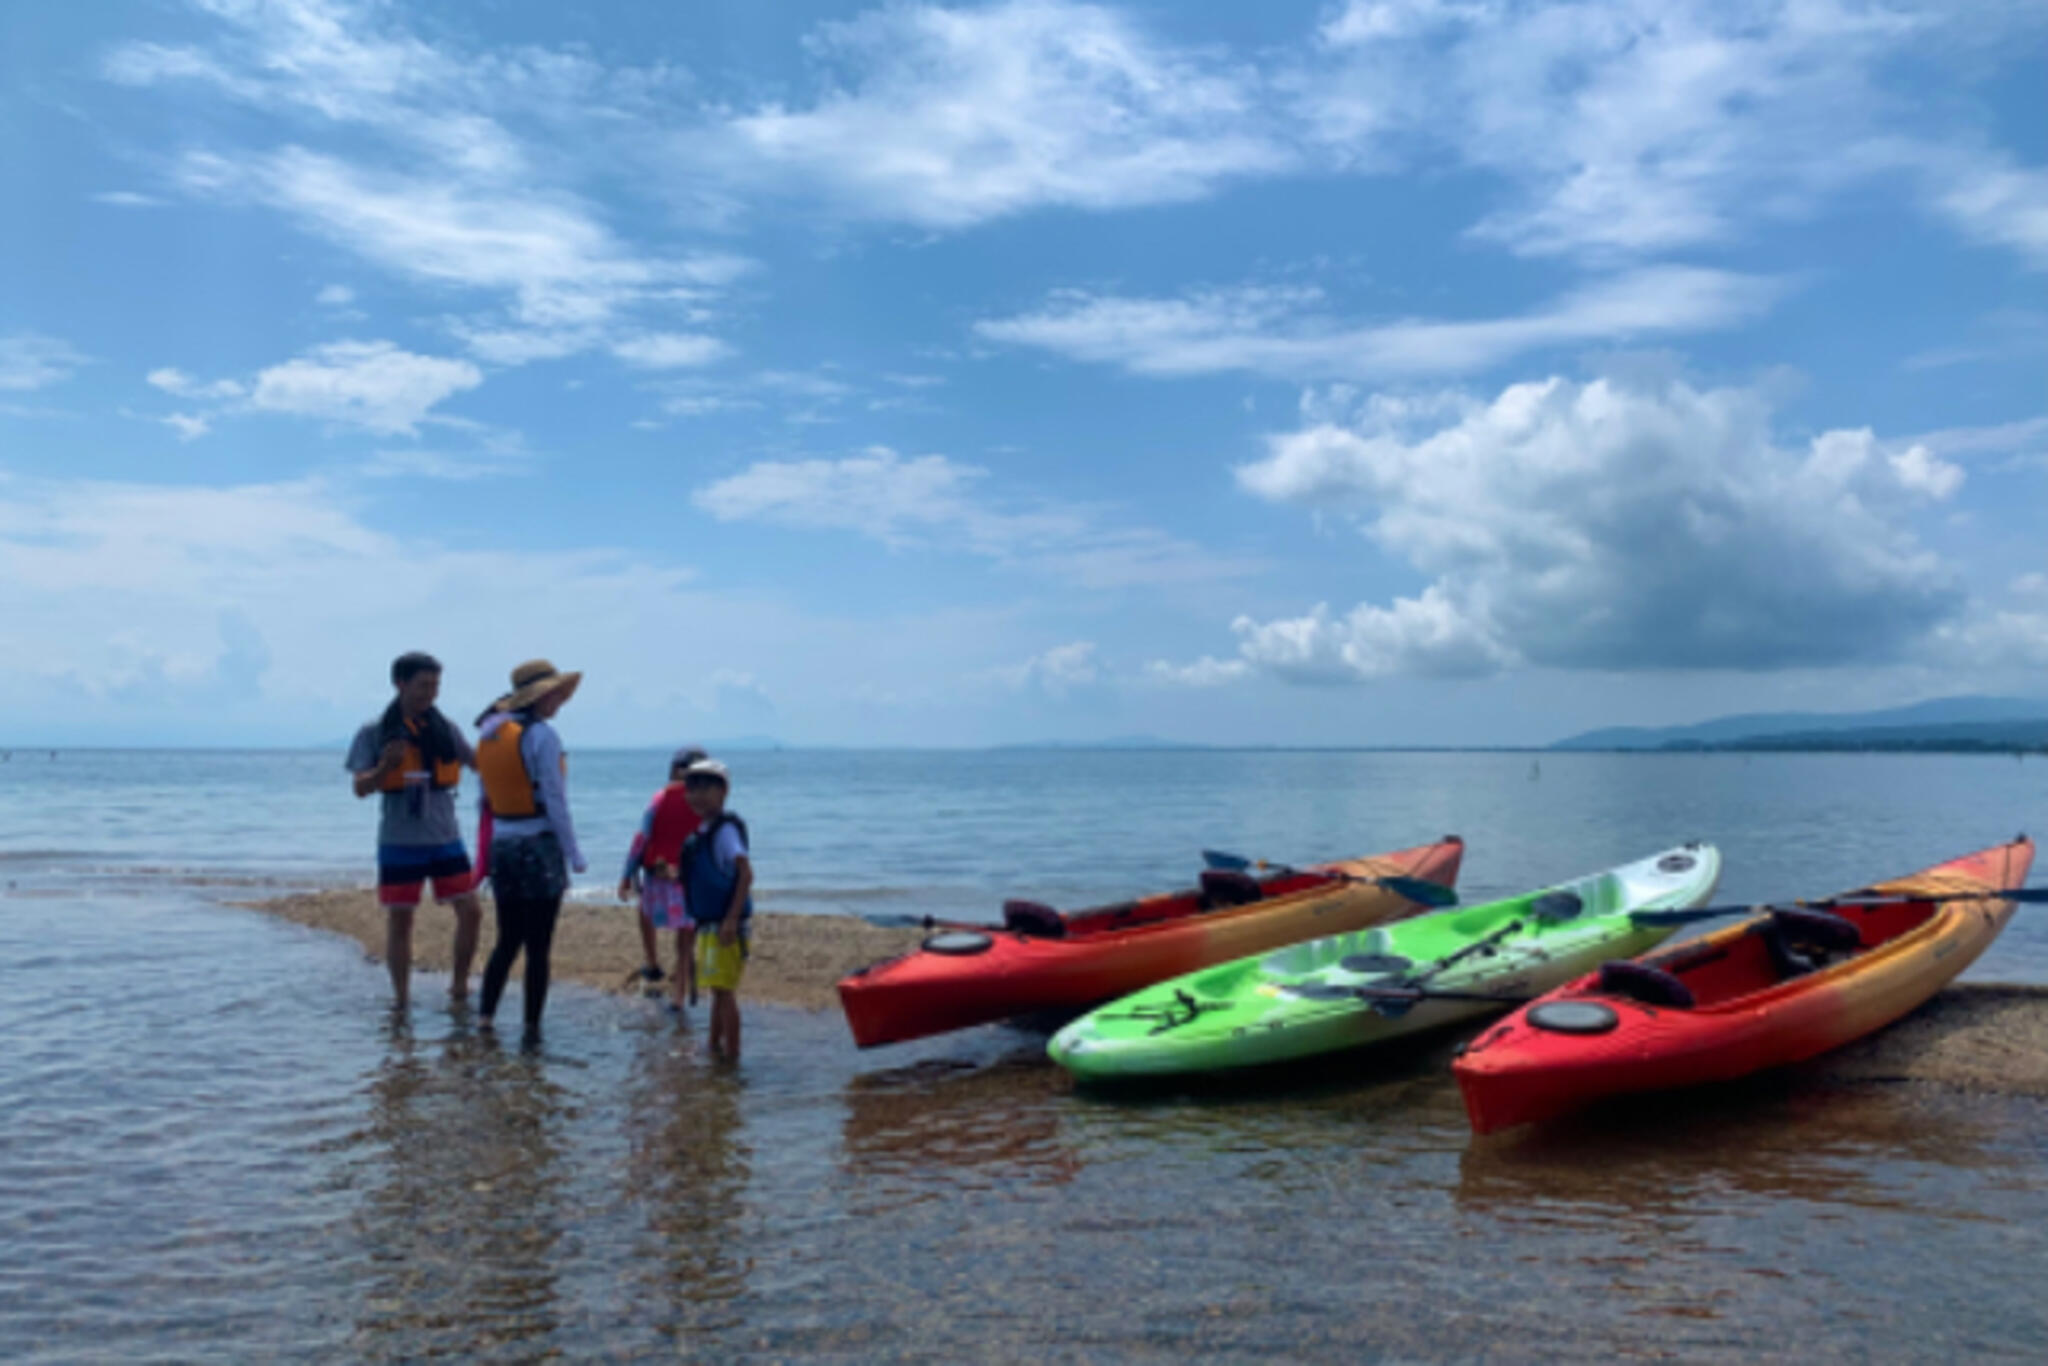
(175,381)
(1432,635)
(952,117)
(109,587)
(1206,672)
(1598,526)
(375,385)
(127,199)
(1631,129)
(1920,470)
(1992,200)
(1055,672)
(188,426)
(560,265)
(2024,437)
(669,350)
(29,361)
(335,296)
(704,405)
(449,189)
(932,502)
(1284,333)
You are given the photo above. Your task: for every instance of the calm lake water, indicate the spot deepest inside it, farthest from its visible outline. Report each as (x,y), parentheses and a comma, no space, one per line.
(216,1144)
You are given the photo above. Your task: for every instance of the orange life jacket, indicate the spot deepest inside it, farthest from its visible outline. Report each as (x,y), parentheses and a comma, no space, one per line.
(447,773)
(508,788)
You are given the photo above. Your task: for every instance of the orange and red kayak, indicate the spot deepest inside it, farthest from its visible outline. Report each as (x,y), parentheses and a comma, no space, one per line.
(1042,960)
(1774,988)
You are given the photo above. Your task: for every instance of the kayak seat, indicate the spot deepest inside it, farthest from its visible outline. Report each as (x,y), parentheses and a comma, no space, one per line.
(1641,982)
(1221,888)
(1556,907)
(1801,941)
(1033,917)
(1821,929)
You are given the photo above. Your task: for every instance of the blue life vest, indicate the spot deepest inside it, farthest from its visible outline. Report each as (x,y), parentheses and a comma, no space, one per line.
(709,887)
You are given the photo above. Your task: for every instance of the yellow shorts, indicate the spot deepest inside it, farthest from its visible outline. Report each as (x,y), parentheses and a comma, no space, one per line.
(720,966)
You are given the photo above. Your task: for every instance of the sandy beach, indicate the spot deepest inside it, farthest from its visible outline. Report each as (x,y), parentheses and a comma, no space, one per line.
(1975,1036)
(794,960)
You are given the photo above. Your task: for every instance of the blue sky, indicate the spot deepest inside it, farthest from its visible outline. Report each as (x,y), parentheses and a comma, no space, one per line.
(1373,373)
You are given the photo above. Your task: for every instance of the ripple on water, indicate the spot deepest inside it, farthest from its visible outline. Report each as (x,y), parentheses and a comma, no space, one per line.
(213,1143)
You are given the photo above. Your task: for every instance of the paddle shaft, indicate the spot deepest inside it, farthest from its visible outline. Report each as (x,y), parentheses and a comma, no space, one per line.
(2023,895)
(1397,996)
(1418,890)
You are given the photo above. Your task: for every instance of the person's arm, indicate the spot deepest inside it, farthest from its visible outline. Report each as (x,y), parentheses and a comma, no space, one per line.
(742,886)
(464,751)
(639,847)
(734,848)
(370,779)
(544,762)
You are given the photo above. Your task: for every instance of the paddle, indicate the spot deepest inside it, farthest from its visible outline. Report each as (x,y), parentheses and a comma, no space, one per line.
(902,921)
(2030,895)
(1415,889)
(1407,996)
(1396,997)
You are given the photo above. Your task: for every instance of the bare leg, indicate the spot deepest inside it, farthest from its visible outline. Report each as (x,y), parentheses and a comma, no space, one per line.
(398,953)
(725,1026)
(469,915)
(684,989)
(650,949)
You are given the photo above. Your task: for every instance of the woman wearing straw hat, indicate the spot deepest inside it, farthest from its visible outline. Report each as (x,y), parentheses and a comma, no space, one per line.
(533,839)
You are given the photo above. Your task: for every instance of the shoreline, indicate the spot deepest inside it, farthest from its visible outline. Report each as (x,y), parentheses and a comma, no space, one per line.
(1974,1036)
(795,960)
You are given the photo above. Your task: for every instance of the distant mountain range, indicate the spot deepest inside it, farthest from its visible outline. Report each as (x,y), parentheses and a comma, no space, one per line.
(1945,723)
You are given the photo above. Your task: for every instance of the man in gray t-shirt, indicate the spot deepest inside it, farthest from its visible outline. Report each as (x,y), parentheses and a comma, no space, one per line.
(413,757)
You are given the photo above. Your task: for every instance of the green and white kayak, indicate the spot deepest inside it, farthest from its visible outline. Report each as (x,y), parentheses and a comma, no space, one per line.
(1373,985)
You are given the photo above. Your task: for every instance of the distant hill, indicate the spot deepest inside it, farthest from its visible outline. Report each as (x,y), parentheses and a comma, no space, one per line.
(1811,730)
(2003,737)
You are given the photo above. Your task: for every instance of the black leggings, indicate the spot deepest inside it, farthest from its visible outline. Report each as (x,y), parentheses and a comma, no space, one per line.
(527,880)
(528,925)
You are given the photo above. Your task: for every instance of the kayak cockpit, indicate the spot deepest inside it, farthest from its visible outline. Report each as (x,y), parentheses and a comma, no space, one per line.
(1783,946)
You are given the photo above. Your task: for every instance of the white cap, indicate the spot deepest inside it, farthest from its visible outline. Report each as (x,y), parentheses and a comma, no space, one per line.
(708,768)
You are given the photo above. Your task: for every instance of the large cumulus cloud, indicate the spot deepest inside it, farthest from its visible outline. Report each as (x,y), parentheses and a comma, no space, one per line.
(1603,525)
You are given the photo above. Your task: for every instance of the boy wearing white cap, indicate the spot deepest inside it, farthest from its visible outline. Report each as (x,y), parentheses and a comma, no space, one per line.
(718,876)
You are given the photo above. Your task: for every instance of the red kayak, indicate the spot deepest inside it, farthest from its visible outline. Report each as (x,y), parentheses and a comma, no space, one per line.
(1040,959)
(1775,988)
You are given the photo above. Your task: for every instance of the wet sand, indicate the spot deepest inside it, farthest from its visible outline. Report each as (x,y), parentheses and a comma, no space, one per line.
(1973,1036)
(794,961)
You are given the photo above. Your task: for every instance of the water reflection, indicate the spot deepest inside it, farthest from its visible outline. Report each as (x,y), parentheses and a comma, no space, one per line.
(1778,1138)
(689,1166)
(949,1125)
(462,1224)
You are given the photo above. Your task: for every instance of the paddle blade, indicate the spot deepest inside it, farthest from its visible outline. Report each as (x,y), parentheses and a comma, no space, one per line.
(1225,863)
(900,922)
(1390,1002)
(1421,892)
(2035,895)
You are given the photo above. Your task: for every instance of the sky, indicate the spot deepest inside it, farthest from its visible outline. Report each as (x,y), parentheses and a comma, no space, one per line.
(1384,373)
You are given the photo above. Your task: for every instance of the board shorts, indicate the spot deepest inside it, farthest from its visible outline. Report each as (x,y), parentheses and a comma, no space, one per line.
(720,966)
(661,901)
(403,870)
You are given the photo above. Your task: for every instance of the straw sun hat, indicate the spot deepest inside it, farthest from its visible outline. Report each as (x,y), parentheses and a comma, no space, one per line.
(535,679)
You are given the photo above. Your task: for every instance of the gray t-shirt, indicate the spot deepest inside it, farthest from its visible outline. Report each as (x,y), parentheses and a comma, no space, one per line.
(420,814)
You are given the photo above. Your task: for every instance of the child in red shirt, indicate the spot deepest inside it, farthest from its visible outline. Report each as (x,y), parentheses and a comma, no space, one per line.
(657,853)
